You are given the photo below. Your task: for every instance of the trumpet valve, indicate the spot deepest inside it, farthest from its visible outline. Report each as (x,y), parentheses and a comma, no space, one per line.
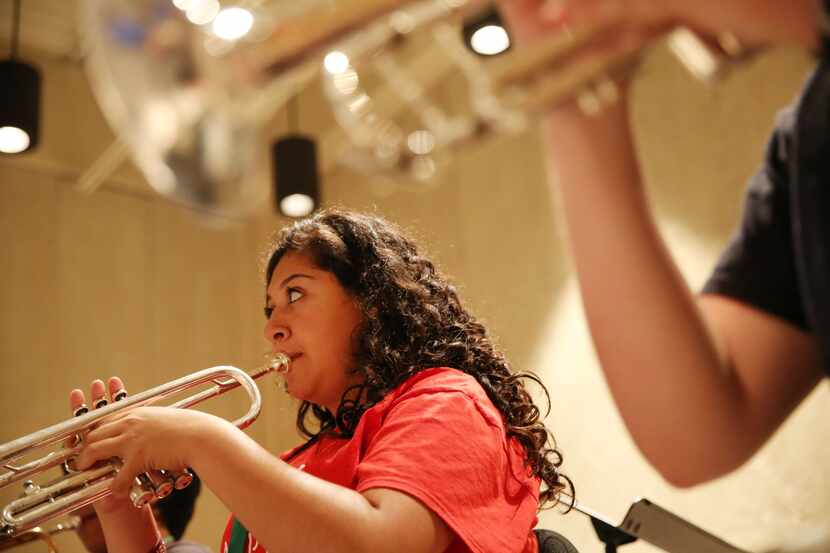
(162,482)
(142,492)
(183,479)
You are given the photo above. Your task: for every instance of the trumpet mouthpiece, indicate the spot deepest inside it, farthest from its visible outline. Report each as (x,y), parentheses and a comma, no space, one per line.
(281,363)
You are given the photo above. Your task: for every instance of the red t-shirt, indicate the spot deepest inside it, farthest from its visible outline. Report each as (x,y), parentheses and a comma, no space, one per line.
(438,438)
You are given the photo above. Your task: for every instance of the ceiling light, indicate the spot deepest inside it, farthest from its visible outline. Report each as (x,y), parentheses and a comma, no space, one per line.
(19,99)
(336,62)
(233,23)
(202,12)
(13,140)
(485,33)
(490,40)
(183,4)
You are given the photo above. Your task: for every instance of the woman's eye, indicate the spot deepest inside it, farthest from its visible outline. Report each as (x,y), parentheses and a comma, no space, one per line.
(293,295)
(268,311)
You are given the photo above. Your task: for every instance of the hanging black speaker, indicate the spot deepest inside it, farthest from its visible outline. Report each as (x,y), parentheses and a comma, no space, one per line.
(19,98)
(297,184)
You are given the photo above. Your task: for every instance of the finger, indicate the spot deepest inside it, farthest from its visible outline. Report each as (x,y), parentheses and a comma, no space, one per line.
(102,449)
(116,389)
(110,428)
(125,479)
(78,407)
(520,7)
(97,394)
(584,12)
(554,11)
(76,400)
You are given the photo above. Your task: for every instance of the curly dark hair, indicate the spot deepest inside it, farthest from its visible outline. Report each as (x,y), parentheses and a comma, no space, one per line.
(412,320)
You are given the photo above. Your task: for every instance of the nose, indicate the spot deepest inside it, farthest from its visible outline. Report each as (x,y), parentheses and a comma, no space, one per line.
(275,330)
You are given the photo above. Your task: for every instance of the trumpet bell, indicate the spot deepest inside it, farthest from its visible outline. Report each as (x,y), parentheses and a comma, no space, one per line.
(188,103)
(191,89)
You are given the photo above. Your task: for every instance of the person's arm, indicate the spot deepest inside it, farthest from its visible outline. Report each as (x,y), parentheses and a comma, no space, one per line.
(285,508)
(129,529)
(290,510)
(700,384)
(712,378)
(754,22)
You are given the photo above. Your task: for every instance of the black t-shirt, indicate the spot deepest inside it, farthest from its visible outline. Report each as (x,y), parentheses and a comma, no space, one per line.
(758,266)
(779,258)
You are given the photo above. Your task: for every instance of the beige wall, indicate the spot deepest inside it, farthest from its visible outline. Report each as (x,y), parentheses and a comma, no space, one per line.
(122,282)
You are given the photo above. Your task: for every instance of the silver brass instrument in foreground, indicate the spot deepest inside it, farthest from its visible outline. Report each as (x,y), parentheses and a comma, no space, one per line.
(195,103)
(80,488)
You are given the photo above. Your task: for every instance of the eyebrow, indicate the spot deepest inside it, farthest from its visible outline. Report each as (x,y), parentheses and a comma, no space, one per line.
(287,280)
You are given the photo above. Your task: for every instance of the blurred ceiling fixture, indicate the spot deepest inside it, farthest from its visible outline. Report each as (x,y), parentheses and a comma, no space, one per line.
(19,98)
(296,181)
(233,23)
(336,62)
(485,33)
(202,12)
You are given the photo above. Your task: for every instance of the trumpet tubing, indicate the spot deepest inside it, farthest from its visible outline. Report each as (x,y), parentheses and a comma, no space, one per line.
(41,534)
(77,489)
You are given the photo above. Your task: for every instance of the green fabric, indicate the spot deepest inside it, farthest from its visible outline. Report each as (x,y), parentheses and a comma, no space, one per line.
(239,534)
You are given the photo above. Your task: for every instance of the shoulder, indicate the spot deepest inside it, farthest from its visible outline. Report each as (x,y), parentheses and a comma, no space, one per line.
(438,380)
(441,390)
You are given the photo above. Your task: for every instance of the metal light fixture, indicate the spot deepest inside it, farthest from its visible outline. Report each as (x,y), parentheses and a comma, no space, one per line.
(296,181)
(295,171)
(485,33)
(19,99)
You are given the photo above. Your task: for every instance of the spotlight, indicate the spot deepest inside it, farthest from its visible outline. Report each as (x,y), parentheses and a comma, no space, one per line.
(297,185)
(233,23)
(19,99)
(485,33)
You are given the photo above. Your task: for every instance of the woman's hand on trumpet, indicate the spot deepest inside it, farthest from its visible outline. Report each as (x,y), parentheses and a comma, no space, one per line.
(144,439)
(125,527)
(98,397)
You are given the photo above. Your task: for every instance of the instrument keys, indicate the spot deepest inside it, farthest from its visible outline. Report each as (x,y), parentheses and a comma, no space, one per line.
(183,479)
(162,483)
(142,492)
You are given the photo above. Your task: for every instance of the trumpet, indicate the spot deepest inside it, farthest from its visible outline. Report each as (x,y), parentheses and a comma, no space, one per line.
(44,535)
(77,489)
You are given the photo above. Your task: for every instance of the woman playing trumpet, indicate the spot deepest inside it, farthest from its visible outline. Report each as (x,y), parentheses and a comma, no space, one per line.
(420,437)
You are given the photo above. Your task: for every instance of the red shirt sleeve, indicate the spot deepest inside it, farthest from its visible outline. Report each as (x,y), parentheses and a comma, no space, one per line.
(446,446)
